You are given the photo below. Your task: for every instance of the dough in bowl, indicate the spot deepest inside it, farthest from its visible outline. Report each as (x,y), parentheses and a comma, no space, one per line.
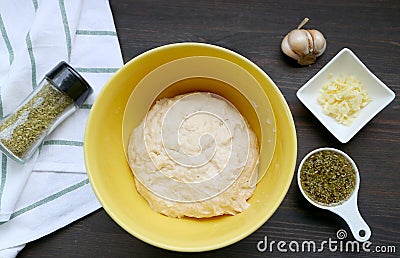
(194,155)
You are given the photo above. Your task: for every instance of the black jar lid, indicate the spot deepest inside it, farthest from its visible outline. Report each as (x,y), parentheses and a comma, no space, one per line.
(70,81)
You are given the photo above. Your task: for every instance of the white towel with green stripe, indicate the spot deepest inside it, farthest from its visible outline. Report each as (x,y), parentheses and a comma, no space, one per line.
(53,189)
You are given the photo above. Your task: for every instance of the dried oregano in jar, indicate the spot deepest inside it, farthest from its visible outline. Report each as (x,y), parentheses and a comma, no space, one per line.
(57,96)
(328,178)
(21,131)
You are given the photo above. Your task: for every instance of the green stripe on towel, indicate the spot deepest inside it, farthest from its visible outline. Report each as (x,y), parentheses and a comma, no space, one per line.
(86,106)
(49,198)
(6,40)
(96,32)
(96,70)
(32,59)
(35,4)
(1,108)
(66,27)
(3,175)
(63,143)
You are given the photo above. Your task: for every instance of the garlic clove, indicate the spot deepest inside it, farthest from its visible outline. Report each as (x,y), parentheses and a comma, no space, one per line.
(303,45)
(319,42)
(287,49)
(300,41)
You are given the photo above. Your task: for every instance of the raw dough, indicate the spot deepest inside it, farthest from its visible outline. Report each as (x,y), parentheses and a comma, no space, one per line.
(194,155)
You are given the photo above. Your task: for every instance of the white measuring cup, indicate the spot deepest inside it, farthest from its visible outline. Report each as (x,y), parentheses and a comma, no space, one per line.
(348,209)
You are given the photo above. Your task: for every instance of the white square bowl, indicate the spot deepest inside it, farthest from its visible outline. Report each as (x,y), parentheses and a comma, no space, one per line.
(346,63)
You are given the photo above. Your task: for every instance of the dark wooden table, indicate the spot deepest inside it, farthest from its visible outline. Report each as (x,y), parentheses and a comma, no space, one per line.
(255,29)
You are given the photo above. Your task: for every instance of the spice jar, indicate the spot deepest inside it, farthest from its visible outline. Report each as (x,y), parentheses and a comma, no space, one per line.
(58,95)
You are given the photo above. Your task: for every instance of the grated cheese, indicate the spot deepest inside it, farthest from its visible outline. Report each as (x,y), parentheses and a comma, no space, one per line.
(343,98)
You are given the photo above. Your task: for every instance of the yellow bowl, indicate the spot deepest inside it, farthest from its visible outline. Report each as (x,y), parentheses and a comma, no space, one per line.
(112,179)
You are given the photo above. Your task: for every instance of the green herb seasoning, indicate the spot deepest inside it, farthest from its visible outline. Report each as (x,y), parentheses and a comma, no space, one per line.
(25,128)
(328,178)
(60,93)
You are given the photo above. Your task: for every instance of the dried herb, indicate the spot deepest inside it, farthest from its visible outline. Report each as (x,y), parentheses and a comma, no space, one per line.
(328,178)
(22,130)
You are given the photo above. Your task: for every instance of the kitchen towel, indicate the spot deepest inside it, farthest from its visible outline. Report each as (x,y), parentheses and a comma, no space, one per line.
(52,190)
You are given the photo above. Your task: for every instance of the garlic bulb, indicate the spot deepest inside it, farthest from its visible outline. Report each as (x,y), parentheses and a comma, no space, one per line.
(304,45)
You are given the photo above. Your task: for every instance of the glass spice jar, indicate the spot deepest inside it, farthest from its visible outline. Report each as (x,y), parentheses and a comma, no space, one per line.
(60,93)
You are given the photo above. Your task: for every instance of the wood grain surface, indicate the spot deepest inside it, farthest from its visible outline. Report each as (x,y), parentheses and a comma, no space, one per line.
(255,29)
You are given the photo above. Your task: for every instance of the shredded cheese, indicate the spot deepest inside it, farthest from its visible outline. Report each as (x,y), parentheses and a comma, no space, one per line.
(343,98)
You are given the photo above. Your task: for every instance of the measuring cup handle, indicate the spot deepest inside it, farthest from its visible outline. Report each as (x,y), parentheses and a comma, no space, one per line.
(357,224)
